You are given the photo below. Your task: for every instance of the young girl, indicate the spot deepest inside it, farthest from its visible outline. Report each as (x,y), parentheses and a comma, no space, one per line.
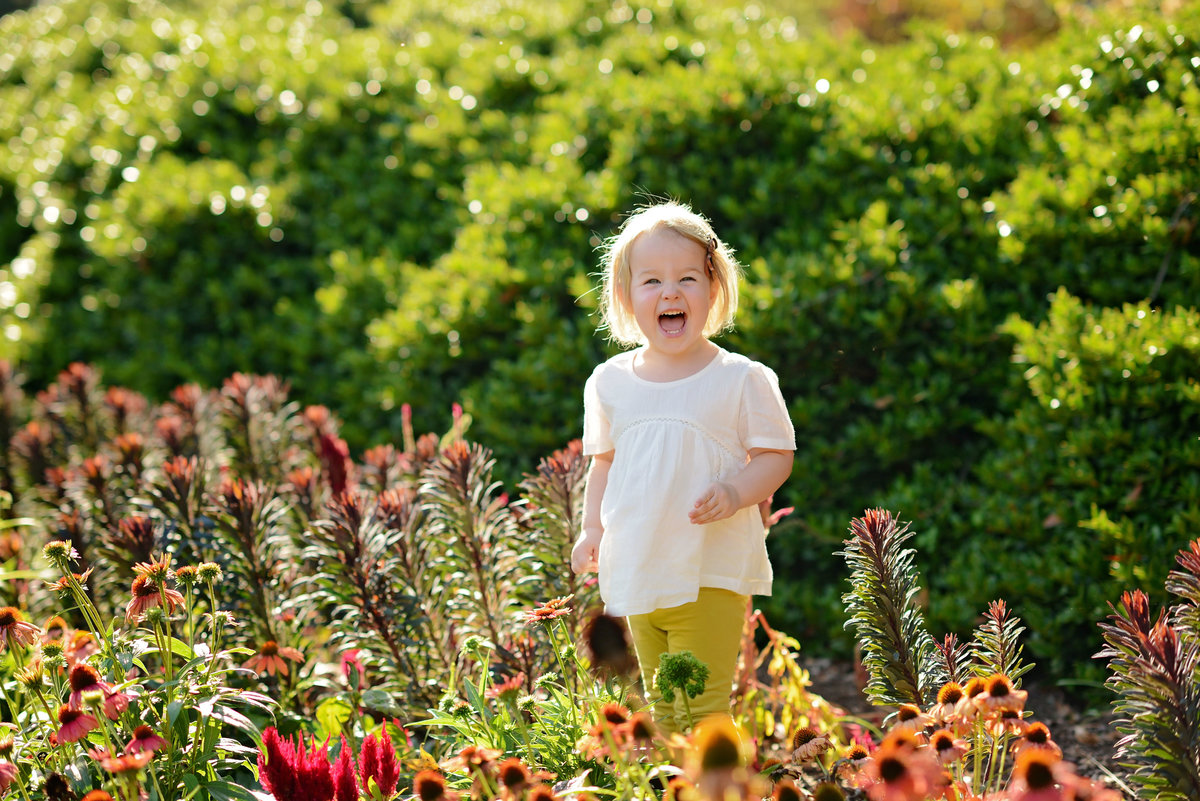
(686,439)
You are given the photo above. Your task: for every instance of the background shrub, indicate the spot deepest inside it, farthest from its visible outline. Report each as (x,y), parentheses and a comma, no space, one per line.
(389,203)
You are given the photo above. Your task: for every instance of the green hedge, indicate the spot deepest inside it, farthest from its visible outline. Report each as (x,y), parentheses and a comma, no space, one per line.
(389,203)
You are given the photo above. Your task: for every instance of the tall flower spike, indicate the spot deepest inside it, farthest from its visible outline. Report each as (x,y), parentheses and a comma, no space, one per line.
(344,782)
(898,651)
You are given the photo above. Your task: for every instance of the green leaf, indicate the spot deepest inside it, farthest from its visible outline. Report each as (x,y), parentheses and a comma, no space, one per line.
(381,700)
(332,714)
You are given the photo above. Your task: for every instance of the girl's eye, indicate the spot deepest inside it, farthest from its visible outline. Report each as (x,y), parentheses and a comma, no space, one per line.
(651,280)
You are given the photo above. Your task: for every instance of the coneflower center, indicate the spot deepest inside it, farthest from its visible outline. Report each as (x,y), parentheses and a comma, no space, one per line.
(430,788)
(950,694)
(942,741)
(892,769)
(998,689)
(720,752)
(84,677)
(907,712)
(270,648)
(8,617)
(1039,776)
(143,732)
(143,587)
(67,715)
(803,737)
(1038,734)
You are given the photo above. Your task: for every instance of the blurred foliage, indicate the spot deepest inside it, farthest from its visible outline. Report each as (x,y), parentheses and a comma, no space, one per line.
(399,202)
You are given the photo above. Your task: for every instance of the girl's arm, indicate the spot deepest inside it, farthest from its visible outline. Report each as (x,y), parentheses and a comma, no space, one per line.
(763,474)
(587,547)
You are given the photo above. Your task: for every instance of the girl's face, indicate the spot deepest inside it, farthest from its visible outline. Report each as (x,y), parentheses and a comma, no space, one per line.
(670,291)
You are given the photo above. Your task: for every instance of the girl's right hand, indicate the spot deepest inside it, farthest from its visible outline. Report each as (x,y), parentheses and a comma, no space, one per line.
(586,551)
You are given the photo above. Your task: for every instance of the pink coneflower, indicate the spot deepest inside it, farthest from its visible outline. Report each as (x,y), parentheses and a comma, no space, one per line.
(145,738)
(999,694)
(16,632)
(269,659)
(74,724)
(549,611)
(146,594)
(84,678)
(79,647)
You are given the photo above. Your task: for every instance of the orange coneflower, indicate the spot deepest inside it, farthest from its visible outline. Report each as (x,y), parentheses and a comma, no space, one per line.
(74,724)
(63,585)
(507,688)
(548,611)
(144,738)
(16,632)
(910,718)
(947,747)
(123,763)
(429,785)
(97,795)
(999,694)
(1038,776)
(146,594)
(900,771)
(1036,737)
(269,658)
(614,713)
(853,760)
(158,570)
(1008,721)
(80,646)
(946,707)
(514,775)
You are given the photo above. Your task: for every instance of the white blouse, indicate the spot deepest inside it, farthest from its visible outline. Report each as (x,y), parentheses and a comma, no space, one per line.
(671,440)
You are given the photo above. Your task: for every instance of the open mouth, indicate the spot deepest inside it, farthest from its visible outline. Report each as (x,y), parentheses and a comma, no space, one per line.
(672,322)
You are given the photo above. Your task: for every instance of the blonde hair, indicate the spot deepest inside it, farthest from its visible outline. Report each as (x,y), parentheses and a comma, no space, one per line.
(616,315)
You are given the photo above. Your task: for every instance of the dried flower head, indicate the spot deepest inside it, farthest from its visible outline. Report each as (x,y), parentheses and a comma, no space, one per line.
(807,743)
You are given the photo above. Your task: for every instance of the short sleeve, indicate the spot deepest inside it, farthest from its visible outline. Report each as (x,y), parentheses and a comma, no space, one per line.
(764,420)
(597,430)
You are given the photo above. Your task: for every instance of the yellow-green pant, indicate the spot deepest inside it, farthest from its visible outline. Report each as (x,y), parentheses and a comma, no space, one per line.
(711,628)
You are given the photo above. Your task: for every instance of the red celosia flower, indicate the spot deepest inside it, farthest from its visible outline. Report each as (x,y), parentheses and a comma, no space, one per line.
(146,594)
(269,658)
(549,611)
(74,724)
(15,632)
(144,739)
(377,761)
(344,781)
(288,771)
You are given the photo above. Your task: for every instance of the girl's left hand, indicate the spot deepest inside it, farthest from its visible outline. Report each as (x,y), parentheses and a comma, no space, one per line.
(718,502)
